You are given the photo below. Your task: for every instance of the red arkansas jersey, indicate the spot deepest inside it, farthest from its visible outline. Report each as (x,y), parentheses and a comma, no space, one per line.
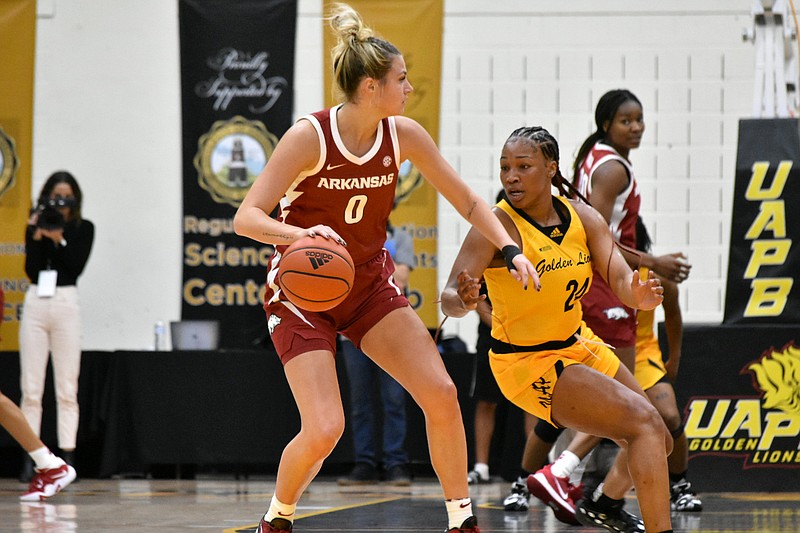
(626,206)
(603,311)
(352,194)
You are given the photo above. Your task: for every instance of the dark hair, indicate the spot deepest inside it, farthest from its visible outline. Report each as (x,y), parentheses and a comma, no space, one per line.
(605,111)
(545,141)
(643,240)
(62,176)
(357,53)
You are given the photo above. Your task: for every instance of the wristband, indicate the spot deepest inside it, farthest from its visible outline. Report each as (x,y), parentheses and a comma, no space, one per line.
(509,253)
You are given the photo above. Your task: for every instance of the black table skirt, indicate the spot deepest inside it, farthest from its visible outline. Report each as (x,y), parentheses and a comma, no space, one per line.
(225,408)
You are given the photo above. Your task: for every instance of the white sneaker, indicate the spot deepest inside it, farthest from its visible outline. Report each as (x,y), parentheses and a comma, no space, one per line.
(683,498)
(519,497)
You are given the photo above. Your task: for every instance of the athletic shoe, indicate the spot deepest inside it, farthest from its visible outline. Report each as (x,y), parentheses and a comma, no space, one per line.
(279,524)
(557,493)
(46,483)
(475,478)
(470,525)
(362,474)
(518,498)
(683,498)
(398,475)
(616,520)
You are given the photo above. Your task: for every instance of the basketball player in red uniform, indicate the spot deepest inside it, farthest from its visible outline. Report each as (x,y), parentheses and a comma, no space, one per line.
(604,175)
(333,176)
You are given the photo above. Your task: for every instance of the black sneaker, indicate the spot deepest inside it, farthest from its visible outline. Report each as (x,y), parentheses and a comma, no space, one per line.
(475,478)
(519,497)
(470,525)
(398,475)
(682,498)
(617,520)
(362,474)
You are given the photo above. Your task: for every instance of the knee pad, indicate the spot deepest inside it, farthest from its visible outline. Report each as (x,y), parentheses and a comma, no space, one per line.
(547,431)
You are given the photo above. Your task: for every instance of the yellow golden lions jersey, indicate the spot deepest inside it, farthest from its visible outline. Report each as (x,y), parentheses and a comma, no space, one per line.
(561,257)
(645,322)
(644,326)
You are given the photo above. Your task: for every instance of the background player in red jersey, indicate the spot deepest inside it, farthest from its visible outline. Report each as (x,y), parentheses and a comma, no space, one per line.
(604,175)
(333,176)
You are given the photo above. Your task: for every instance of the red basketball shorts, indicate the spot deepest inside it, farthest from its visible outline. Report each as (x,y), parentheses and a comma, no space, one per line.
(295,331)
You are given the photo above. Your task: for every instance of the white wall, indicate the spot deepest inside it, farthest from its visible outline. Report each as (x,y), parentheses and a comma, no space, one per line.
(107,108)
(508,64)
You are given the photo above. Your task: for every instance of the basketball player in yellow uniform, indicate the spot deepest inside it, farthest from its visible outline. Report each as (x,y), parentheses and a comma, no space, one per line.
(543,356)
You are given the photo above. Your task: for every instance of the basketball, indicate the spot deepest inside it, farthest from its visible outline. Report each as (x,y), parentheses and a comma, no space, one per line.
(316,274)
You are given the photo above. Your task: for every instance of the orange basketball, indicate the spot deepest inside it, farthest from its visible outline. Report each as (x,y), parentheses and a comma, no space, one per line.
(316,273)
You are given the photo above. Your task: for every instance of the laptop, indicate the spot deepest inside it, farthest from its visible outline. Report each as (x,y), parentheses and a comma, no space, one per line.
(195,334)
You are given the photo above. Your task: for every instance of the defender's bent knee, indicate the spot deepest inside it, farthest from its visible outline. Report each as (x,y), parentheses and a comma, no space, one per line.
(439,401)
(322,438)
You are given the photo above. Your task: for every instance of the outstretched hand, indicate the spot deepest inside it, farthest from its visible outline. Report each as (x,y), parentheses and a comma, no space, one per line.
(673,267)
(525,272)
(469,290)
(648,294)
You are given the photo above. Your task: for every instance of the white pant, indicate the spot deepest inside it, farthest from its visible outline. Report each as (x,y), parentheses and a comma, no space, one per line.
(51,325)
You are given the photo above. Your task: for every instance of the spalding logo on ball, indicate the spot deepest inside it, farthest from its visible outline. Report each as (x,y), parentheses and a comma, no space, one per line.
(316,274)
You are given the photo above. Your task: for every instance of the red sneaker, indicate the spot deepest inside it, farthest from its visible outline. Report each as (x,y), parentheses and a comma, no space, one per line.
(266,527)
(46,483)
(470,525)
(557,492)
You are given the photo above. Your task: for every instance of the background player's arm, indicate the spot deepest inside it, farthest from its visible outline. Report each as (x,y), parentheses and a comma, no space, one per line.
(608,181)
(608,261)
(403,257)
(673,324)
(485,312)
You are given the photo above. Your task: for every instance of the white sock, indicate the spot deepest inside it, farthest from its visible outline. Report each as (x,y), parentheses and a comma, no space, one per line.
(44,459)
(458,511)
(483,470)
(597,492)
(278,509)
(565,464)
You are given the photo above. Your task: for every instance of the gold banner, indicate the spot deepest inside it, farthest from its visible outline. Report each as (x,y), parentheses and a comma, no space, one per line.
(415,27)
(17,42)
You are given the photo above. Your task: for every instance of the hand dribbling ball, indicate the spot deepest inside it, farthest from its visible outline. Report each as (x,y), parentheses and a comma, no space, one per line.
(315,273)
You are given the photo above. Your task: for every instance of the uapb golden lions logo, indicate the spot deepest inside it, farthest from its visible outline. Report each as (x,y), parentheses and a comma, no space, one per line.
(764,431)
(230,157)
(778,375)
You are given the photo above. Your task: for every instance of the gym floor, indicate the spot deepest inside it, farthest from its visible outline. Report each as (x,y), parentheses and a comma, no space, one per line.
(226,505)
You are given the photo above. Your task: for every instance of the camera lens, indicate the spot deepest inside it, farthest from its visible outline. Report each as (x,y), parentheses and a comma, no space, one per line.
(50,218)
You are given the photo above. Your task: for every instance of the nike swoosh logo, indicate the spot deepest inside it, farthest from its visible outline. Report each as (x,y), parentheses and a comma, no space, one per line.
(465,505)
(561,491)
(282,514)
(331,167)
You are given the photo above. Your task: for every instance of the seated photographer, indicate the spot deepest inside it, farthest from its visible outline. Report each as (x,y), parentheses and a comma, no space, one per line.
(57,245)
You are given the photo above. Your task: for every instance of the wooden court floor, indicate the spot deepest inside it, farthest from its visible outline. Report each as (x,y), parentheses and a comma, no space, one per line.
(225,505)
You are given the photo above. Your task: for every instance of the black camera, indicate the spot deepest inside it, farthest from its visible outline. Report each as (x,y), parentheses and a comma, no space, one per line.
(50,218)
